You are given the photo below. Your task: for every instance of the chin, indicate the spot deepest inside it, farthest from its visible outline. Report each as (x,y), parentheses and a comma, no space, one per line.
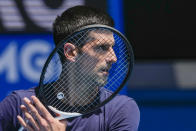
(101,81)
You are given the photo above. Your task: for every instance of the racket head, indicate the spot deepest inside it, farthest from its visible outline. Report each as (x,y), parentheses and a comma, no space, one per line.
(115,79)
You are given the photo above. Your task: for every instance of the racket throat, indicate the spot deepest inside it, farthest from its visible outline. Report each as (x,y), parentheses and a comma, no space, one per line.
(63,115)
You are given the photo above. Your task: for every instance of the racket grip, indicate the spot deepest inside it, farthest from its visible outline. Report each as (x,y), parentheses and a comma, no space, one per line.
(63,115)
(21,128)
(60,117)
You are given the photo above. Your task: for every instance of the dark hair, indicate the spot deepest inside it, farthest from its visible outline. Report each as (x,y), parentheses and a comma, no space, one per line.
(77,17)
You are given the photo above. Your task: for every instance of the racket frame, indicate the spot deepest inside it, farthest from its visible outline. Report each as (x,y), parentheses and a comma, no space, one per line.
(94,26)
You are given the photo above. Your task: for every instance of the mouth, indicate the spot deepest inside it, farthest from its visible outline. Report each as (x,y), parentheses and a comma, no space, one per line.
(104,71)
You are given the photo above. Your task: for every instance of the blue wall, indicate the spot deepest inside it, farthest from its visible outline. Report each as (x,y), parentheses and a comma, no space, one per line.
(21,58)
(166,110)
(168,118)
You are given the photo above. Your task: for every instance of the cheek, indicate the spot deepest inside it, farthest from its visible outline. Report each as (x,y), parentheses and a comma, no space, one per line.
(88,63)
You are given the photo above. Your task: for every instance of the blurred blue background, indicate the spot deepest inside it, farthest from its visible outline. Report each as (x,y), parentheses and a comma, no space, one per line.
(163,81)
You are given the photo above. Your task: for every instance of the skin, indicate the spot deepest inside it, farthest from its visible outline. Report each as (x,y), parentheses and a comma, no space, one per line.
(92,66)
(98,54)
(39,118)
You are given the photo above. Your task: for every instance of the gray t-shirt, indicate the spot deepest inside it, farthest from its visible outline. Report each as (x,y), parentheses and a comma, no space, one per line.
(120,114)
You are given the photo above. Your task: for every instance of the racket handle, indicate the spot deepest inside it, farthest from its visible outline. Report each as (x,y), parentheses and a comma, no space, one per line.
(60,117)
(21,128)
(63,115)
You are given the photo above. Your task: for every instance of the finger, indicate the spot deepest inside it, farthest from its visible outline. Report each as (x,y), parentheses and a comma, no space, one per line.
(23,123)
(64,121)
(42,108)
(33,110)
(29,117)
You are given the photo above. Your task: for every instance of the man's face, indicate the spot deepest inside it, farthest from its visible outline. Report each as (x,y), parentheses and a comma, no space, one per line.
(97,58)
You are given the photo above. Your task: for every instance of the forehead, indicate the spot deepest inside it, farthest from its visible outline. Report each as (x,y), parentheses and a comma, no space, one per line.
(98,37)
(101,36)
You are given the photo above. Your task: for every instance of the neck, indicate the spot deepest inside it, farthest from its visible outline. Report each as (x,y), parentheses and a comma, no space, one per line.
(79,92)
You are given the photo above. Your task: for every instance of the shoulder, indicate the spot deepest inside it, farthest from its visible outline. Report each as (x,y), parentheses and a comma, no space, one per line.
(19,94)
(120,101)
(123,113)
(24,93)
(10,108)
(14,99)
(124,103)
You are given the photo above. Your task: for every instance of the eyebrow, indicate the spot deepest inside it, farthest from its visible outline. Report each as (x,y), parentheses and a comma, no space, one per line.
(106,43)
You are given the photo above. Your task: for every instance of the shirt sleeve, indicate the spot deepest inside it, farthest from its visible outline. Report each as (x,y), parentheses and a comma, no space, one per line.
(126,117)
(9,109)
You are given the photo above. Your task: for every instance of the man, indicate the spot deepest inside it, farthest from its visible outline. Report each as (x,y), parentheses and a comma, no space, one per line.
(120,114)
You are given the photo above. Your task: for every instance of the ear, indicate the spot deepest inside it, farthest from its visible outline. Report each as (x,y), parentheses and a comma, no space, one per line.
(70,52)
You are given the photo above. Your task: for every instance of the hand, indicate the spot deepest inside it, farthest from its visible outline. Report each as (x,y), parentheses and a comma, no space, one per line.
(39,119)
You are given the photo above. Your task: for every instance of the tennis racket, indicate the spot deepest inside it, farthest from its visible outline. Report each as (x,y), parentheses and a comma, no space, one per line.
(93,61)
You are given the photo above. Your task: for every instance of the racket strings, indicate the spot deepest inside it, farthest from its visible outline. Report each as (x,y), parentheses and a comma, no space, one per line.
(84,92)
(56,88)
(58,61)
(59,86)
(111,86)
(122,65)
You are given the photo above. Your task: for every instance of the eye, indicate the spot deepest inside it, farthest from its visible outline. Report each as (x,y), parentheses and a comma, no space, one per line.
(102,48)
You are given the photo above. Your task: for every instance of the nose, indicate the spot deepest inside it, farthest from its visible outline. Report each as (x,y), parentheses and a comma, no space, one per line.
(111,57)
